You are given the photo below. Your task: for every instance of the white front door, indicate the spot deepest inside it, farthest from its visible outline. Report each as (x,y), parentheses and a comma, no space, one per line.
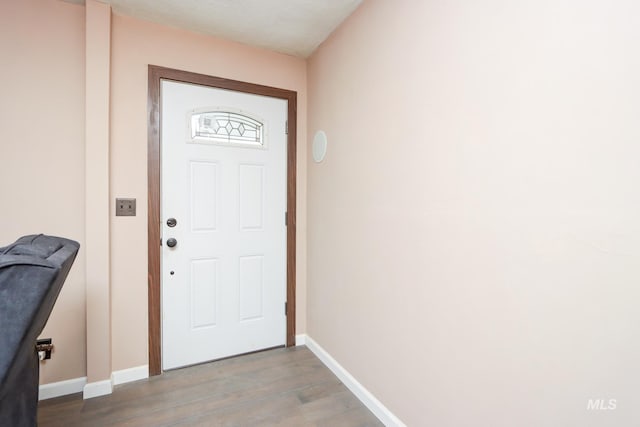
(224,182)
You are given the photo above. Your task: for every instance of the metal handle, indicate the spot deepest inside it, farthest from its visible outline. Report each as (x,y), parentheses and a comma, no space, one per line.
(171,222)
(172,242)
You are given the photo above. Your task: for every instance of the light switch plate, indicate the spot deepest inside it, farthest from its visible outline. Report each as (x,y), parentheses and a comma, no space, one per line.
(125,207)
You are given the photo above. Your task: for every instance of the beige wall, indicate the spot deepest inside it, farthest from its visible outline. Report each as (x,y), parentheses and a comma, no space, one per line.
(135,44)
(97,177)
(473,231)
(42,152)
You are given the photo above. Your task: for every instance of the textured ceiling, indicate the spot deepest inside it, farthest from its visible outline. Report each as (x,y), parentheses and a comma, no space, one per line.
(295,27)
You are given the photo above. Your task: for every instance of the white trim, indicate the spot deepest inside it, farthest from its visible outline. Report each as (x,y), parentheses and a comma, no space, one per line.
(98,388)
(368,399)
(129,375)
(301,339)
(61,388)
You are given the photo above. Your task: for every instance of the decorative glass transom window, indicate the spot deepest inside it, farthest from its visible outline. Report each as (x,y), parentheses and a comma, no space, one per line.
(226,127)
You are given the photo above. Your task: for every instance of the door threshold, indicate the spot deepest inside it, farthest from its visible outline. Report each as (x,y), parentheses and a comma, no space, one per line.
(263,350)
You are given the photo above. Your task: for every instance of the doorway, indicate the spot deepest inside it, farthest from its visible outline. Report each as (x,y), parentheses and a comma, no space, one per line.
(158,75)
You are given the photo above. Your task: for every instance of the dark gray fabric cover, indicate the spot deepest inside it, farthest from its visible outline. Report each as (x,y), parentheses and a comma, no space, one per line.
(32,271)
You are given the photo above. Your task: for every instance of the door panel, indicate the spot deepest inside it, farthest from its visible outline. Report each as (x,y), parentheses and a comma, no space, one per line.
(251,287)
(203,196)
(203,285)
(251,191)
(224,181)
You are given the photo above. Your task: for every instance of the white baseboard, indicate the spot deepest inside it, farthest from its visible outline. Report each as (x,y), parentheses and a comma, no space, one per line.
(301,339)
(89,390)
(129,375)
(61,388)
(98,388)
(368,399)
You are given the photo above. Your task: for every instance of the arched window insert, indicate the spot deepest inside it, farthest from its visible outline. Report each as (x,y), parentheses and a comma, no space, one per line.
(226,127)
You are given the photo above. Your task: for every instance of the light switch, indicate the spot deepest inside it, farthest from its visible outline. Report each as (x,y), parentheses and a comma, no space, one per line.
(125,207)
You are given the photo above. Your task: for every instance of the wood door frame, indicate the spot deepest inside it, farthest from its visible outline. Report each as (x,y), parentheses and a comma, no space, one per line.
(156,75)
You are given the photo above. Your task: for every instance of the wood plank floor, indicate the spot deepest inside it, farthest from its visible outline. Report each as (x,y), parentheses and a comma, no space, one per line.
(281,387)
